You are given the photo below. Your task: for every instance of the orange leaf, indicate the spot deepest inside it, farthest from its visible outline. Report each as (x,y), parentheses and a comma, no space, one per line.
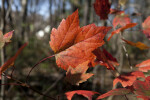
(119,91)
(146,27)
(128,79)
(102,8)
(10,61)
(85,93)
(139,45)
(144,66)
(122,29)
(78,75)
(74,45)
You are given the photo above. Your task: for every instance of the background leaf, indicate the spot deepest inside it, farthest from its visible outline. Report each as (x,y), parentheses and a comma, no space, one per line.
(85,93)
(119,91)
(130,25)
(102,8)
(146,27)
(144,66)
(139,45)
(128,79)
(10,61)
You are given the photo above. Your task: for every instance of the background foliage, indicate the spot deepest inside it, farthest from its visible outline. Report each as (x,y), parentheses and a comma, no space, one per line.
(33,20)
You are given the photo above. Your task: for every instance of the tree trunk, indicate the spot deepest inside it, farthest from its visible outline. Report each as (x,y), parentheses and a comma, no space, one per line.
(86,11)
(2,97)
(24,17)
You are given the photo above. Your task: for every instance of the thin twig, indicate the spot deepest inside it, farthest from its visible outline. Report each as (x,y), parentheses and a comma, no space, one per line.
(126,53)
(118,72)
(12,71)
(11,84)
(126,97)
(52,86)
(26,85)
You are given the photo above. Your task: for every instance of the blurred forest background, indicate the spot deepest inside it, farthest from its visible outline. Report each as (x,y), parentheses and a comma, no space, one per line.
(32,21)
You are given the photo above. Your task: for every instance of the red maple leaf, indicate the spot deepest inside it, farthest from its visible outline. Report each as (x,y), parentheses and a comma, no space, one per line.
(102,8)
(128,79)
(144,66)
(146,27)
(104,58)
(142,88)
(119,91)
(85,93)
(74,45)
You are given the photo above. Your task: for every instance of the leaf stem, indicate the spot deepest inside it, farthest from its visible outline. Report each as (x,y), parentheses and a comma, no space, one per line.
(36,65)
(10,84)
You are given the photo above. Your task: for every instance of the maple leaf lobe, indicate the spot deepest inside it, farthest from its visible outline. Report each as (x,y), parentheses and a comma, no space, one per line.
(63,37)
(78,75)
